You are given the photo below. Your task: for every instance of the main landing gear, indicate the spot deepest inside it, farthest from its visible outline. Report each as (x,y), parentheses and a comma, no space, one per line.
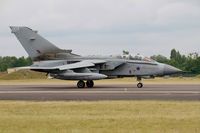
(89,84)
(140,84)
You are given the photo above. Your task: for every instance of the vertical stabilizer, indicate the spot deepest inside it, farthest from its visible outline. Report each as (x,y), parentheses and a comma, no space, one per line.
(33,43)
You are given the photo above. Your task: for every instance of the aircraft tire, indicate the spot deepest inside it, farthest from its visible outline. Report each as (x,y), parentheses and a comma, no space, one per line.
(139,85)
(81,84)
(90,83)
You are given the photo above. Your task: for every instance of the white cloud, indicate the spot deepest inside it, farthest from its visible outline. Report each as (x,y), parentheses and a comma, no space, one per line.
(106,26)
(179,13)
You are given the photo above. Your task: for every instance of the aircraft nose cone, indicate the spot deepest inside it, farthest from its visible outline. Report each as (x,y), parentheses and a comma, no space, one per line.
(171,70)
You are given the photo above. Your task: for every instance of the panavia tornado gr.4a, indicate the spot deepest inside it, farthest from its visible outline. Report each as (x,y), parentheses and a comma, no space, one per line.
(65,65)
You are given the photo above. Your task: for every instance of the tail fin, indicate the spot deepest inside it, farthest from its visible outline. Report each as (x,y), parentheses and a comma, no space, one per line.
(33,43)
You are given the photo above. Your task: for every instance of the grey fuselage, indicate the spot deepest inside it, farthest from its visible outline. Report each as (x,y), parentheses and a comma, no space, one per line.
(113,68)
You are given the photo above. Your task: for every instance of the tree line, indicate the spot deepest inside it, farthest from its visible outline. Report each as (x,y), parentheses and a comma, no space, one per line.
(189,63)
(11,62)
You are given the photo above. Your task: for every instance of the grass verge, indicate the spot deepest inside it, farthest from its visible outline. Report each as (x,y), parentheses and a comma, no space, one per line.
(98,117)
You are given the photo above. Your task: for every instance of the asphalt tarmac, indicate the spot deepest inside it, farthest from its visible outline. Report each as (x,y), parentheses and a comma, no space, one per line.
(99,92)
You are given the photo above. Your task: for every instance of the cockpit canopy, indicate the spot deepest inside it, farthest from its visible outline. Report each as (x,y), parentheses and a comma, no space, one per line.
(136,57)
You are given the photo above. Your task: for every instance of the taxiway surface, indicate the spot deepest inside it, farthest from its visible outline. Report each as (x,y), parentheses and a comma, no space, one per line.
(99,92)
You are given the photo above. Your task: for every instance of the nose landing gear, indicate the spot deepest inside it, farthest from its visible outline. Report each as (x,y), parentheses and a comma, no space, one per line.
(140,84)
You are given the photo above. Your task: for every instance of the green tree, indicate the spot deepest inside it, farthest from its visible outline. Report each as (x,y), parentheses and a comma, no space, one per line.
(10,62)
(173,54)
(160,58)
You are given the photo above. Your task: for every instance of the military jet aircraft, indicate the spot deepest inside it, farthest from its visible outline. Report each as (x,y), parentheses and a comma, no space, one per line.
(65,65)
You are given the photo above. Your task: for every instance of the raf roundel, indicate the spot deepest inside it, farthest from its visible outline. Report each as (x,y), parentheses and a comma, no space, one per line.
(138,68)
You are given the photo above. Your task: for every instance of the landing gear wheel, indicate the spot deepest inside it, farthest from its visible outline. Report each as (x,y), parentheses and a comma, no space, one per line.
(139,85)
(90,84)
(81,84)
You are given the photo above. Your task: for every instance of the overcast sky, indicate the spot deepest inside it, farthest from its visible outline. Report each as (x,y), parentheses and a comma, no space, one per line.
(105,27)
